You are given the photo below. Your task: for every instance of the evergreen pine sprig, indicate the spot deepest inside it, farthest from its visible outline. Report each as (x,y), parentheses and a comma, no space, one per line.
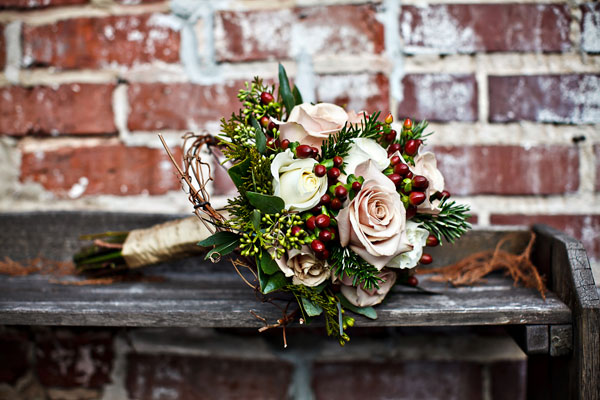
(345,261)
(339,144)
(451,222)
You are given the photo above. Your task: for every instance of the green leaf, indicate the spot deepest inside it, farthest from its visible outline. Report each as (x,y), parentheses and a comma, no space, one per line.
(368,312)
(223,249)
(267,264)
(275,282)
(256,219)
(312,309)
(297,95)
(284,90)
(262,277)
(261,139)
(238,171)
(266,203)
(219,238)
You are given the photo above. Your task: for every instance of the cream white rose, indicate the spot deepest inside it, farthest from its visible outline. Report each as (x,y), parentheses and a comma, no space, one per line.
(417,237)
(364,149)
(426,165)
(361,297)
(311,124)
(304,267)
(296,183)
(373,224)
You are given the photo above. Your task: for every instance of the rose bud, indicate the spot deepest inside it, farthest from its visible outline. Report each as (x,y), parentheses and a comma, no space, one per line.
(389,119)
(336,204)
(432,241)
(333,173)
(412,281)
(325,199)
(426,259)
(266,97)
(311,223)
(285,144)
(325,236)
(416,198)
(341,192)
(420,183)
(296,230)
(356,186)
(407,124)
(338,161)
(411,147)
(264,121)
(322,221)
(401,169)
(317,246)
(320,170)
(395,178)
(303,151)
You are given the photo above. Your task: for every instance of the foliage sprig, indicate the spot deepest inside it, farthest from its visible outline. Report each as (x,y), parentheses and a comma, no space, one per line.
(450,222)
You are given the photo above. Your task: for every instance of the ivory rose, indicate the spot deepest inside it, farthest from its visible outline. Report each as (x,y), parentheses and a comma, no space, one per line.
(364,149)
(304,267)
(374,222)
(417,237)
(361,297)
(311,124)
(426,165)
(295,182)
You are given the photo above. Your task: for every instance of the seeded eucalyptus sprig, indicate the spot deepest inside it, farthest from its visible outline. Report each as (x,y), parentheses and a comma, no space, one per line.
(451,222)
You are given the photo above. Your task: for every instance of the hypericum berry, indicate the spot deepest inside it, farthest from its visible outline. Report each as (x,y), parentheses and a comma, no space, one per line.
(314,152)
(338,161)
(264,121)
(272,143)
(394,160)
(322,221)
(395,178)
(432,241)
(336,204)
(407,124)
(340,192)
(356,186)
(420,183)
(285,144)
(316,210)
(320,170)
(411,211)
(324,255)
(391,136)
(303,151)
(409,175)
(317,246)
(266,97)
(325,199)
(426,259)
(311,223)
(296,230)
(325,235)
(333,173)
(446,194)
(394,148)
(411,147)
(416,198)
(272,125)
(389,119)
(412,281)
(401,169)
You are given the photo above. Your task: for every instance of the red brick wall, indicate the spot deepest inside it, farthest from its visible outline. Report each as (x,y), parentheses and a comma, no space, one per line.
(512,90)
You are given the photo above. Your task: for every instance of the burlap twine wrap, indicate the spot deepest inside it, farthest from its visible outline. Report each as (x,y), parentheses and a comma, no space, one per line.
(173,239)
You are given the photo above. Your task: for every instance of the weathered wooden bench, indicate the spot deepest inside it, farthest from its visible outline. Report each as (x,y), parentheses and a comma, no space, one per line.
(561,335)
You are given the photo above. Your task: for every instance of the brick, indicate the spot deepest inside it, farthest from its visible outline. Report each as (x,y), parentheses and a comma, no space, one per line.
(14,347)
(74,358)
(566,99)
(509,380)
(2,48)
(186,378)
(472,28)
(590,27)
(397,380)
(29,4)
(180,106)
(358,92)
(281,34)
(67,109)
(104,169)
(439,97)
(99,42)
(597,156)
(583,227)
(509,170)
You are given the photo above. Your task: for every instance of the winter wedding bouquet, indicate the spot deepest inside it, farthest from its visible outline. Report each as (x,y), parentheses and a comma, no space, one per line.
(334,207)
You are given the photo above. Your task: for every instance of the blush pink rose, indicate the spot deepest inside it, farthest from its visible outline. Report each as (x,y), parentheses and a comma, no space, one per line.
(311,124)
(374,222)
(304,267)
(361,297)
